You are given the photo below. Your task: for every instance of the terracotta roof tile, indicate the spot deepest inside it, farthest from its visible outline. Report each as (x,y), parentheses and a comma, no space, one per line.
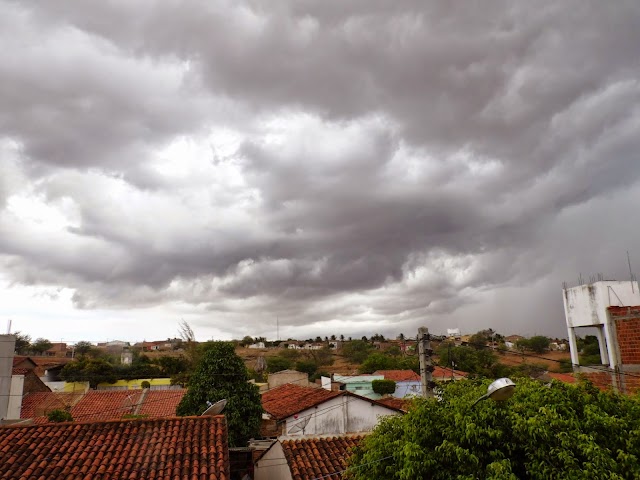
(106,405)
(161,403)
(188,447)
(440,373)
(399,375)
(288,399)
(38,404)
(398,403)
(311,458)
(20,371)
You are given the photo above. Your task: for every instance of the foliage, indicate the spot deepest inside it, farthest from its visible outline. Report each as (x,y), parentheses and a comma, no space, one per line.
(94,371)
(41,345)
(378,361)
(82,348)
(561,431)
(59,415)
(356,351)
(480,361)
(383,387)
(537,344)
(307,366)
(565,365)
(322,356)
(23,342)
(246,341)
(220,374)
(172,365)
(277,364)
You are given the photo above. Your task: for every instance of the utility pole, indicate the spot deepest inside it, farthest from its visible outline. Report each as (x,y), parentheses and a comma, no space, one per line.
(426,365)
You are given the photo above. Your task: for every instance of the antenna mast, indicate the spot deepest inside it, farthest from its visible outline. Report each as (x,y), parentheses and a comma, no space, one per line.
(630,272)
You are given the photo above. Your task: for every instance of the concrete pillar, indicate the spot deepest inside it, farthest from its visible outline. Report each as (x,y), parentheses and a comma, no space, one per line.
(573,345)
(7,348)
(603,344)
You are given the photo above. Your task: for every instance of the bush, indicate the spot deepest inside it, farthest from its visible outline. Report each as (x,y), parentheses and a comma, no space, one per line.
(384,387)
(59,415)
(561,431)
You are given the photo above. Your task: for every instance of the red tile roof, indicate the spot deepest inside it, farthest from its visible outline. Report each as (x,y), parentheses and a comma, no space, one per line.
(440,373)
(103,404)
(563,377)
(161,403)
(397,403)
(38,404)
(289,399)
(106,405)
(399,375)
(20,371)
(312,458)
(176,448)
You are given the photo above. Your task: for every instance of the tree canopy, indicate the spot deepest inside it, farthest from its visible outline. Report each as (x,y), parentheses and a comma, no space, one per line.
(221,373)
(543,431)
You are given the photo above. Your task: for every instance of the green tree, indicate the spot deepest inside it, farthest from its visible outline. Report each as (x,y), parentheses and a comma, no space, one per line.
(562,431)
(307,366)
(82,348)
(480,361)
(383,387)
(221,374)
(172,365)
(277,364)
(246,341)
(539,344)
(94,371)
(59,415)
(40,346)
(378,361)
(357,351)
(23,343)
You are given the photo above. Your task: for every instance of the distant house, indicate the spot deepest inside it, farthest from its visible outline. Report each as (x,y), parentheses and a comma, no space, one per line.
(359,384)
(57,350)
(306,459)
(295,411)
(257,345)
(408,382)
(187,447)
(23,382)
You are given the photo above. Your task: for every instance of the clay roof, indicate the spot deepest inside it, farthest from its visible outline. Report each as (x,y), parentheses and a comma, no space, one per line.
(20,371)
(397,403)
(38,404)
(399,375)
(187,447)
(106,405)
(563,377)
(18,359)
(289,399)
(440,373)
(161,403)
(102,404)
(312,458)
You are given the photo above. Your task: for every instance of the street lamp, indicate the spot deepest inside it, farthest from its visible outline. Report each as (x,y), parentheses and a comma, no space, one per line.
(499,390)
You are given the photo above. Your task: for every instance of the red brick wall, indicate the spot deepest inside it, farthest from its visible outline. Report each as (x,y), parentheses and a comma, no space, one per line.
(627,383)
(627,322)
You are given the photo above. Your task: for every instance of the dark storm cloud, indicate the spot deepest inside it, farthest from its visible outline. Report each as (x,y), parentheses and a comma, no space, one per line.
(395,160)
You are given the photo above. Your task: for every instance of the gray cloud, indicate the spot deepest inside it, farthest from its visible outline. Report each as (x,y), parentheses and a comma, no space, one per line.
(384,164)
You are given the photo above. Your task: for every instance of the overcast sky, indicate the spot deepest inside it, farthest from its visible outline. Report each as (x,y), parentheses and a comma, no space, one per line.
(337,167)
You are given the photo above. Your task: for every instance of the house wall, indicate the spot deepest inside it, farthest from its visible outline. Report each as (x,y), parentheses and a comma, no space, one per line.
(290,376)
(627,325)
(7,348)
(343,414)
(272,465)
(360,384)
(15,399)
(407,388)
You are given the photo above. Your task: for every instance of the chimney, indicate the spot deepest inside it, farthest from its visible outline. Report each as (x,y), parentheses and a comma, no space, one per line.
(7,347)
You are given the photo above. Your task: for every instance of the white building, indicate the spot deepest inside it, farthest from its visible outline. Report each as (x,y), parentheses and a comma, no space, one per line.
(301,411)
(586,306)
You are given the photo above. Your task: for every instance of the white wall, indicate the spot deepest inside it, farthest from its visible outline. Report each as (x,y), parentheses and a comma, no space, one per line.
(15,399)
(272,465)
(408,388)
(343,414)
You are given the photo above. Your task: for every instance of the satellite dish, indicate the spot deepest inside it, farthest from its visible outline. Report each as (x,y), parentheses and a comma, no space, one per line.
(215,409)
(300,426)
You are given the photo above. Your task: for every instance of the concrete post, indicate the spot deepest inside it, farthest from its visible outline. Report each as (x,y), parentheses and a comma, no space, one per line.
(7,348)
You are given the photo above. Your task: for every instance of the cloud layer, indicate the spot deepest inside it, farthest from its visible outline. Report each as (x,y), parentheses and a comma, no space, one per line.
(368,166)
